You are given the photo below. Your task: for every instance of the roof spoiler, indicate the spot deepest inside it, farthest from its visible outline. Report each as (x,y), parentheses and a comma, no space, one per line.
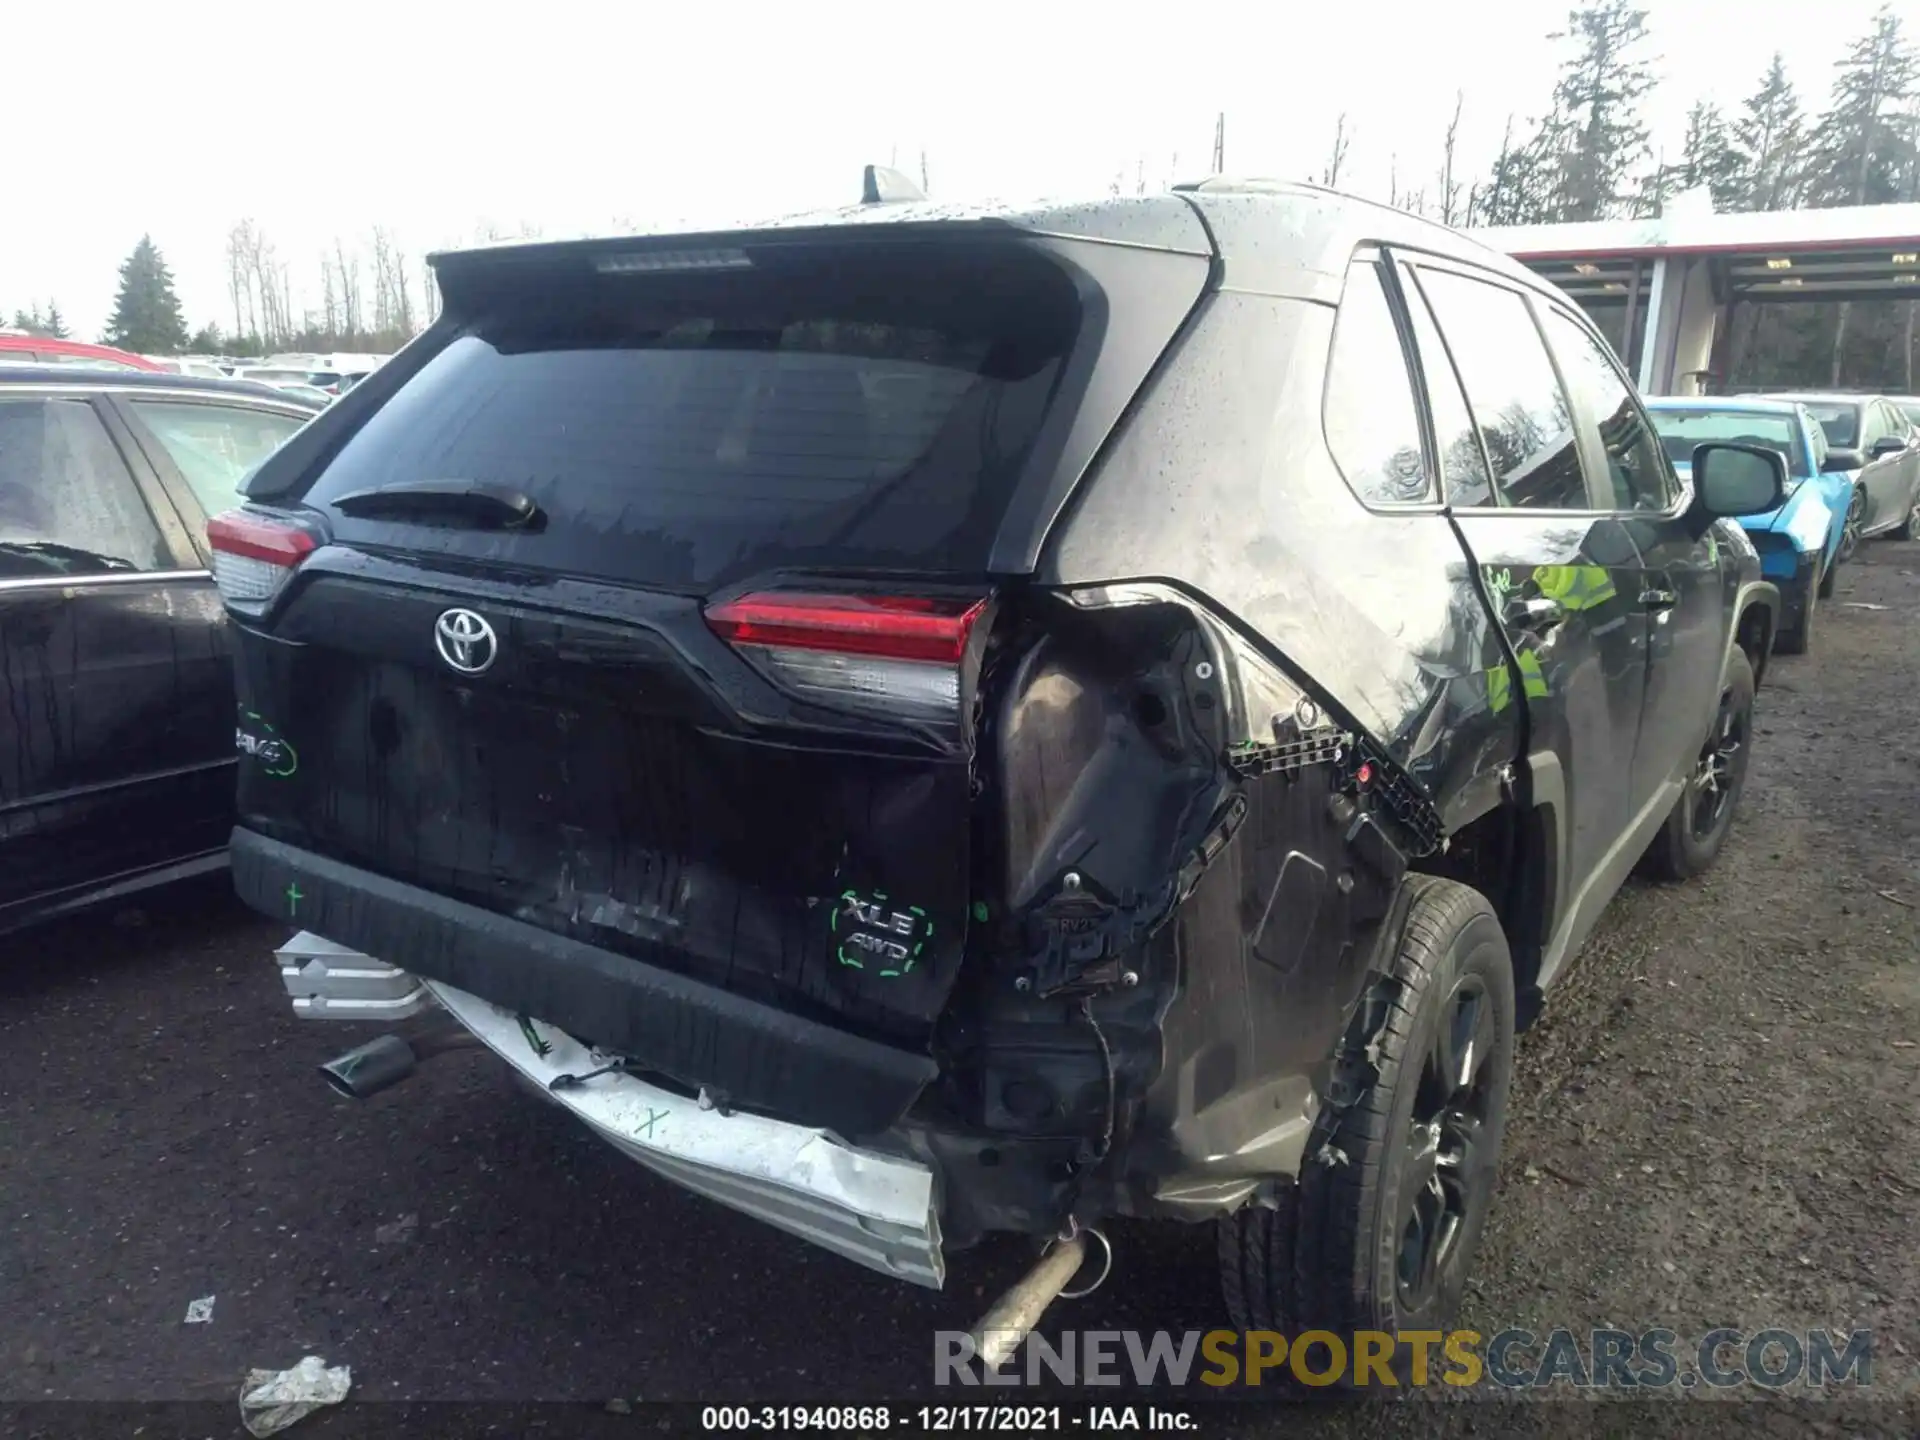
(882,185)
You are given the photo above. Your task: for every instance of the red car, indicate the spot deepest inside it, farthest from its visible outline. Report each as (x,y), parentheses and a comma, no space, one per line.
(39,350)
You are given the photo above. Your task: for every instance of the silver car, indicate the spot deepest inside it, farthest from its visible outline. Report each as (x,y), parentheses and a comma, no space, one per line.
(1875,438)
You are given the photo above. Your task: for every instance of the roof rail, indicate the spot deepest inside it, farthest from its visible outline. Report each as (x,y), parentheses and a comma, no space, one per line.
(884,186)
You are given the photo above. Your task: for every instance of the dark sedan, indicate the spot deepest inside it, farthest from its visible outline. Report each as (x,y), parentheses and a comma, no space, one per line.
(117,721)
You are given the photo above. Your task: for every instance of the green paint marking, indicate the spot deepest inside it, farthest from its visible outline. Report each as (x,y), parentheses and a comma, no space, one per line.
(980,911)
(539,1047)
(294,896)
(892,941)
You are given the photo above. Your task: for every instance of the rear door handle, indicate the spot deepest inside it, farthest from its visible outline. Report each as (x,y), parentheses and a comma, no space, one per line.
(1537,612)
(1659,599)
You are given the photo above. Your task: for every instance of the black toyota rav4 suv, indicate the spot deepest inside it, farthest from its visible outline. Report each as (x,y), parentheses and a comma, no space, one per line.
(1027,716)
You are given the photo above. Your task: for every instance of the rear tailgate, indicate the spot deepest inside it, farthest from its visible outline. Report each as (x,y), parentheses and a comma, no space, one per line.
(710,709)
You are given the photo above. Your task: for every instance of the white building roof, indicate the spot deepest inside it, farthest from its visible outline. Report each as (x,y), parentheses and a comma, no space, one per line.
(1684,230)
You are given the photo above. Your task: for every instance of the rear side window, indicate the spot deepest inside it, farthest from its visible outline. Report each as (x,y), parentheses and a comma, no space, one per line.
(68,505)
(1518,407)
(1372,419)
(1463,464)
(85,362)
(1817,437)
(214,446)
(1841,423)
(1636,477)
(685,431)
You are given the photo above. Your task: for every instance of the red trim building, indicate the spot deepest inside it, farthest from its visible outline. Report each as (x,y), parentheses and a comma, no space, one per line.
(1665,290)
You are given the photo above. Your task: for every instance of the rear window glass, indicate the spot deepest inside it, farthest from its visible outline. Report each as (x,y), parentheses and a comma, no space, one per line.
(1681,430)
(682,432)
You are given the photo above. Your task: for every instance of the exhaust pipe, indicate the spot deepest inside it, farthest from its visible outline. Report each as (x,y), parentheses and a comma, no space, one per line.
(380,1064)
(1014,1315)
(386,1060)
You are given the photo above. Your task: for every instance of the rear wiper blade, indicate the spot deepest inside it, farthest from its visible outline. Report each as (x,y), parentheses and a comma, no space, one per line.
(464,499)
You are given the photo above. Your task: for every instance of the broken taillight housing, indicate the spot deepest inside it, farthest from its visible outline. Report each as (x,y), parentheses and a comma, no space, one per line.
(254,556)
(893,655)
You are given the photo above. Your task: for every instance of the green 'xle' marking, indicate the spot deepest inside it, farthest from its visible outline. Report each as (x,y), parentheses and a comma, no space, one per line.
(878,932)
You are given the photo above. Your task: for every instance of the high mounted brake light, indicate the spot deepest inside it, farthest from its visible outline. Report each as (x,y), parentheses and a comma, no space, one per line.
(254,557)
(892,655)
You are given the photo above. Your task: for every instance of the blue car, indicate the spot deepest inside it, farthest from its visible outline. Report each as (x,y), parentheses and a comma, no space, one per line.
(1801,544)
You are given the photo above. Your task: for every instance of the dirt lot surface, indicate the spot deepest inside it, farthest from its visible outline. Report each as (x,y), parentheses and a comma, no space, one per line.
(1716,1123)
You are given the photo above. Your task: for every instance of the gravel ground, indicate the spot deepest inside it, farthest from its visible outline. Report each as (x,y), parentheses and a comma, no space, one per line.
(1714,1124)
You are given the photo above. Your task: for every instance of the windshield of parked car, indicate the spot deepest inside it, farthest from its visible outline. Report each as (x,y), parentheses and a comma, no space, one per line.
(1840,420)
(1681,430)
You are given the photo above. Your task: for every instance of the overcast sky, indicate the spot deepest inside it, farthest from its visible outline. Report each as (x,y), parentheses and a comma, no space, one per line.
(317,120)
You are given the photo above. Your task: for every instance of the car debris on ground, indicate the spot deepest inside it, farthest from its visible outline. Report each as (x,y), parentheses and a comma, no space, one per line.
(272,1400)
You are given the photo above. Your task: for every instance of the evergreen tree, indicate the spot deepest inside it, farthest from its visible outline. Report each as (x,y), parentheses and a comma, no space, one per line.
(146,313)
(205,341)
(1862,152)
(1861,149)
(1599,93)
(1709,158)
(35,322)
(1519,191)
(1770,136)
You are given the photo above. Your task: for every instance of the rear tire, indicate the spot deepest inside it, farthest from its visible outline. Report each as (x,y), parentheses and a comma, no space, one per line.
(1797,640)
(1701,818)
(1381,1231)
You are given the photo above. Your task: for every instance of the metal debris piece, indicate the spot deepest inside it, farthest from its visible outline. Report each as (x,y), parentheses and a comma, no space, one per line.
(396,1232)
(272,1400)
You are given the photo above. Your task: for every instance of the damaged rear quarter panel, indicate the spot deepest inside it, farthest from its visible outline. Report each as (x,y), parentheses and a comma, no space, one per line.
(1219,495)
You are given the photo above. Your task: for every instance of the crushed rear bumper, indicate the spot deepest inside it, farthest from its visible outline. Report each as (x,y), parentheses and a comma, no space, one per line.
(875,1209)
(757,1056)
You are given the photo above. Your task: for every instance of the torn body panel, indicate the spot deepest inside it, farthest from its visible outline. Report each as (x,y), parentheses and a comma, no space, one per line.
(1194,859)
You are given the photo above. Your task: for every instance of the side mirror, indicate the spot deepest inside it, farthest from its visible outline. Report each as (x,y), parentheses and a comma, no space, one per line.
(1887,445)
(1844,460)
(1734,480)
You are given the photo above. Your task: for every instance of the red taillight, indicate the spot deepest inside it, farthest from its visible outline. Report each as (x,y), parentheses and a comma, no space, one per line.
(895,626)
(253,557)
(891,654)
